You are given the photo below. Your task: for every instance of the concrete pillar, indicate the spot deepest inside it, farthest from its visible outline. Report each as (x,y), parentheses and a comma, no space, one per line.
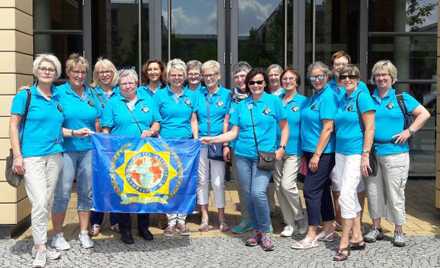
(16,55)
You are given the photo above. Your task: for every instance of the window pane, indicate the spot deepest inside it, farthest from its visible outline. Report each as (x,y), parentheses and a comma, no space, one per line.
(145,20)
(403,15)
(261,32)
(58,15)
(415,57)
(290,37)
(165,28)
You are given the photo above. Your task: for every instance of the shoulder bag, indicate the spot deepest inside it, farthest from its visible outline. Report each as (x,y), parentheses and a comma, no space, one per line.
(266,160)
(215,150)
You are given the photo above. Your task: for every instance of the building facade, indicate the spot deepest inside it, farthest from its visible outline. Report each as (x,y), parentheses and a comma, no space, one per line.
(287,32)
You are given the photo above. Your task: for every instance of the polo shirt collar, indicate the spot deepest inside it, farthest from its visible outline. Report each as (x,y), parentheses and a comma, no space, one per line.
(294,99)
(391,93)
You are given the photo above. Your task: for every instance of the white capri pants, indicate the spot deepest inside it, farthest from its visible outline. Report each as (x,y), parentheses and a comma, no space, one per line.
(348,171)
(386,191)
(40,178)
(337,182)
(214,171)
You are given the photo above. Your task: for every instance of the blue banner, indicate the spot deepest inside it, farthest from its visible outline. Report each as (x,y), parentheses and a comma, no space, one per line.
(148,175)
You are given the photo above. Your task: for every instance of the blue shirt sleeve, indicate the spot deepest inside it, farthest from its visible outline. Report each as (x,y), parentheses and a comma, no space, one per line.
(366,102)
(280,114)
(19,103)
(195,101)
(328,106)
(410,102)
(107,116)
(234,113)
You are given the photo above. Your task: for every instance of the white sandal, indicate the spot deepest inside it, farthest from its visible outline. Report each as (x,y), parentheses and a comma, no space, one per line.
(305,244)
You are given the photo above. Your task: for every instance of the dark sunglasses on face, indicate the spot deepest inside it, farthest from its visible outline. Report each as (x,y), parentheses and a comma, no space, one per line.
(259,82)
(345,76)
(320,77)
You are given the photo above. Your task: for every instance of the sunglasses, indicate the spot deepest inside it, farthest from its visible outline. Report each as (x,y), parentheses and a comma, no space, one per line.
(259,82)
(344,76)
(320,77)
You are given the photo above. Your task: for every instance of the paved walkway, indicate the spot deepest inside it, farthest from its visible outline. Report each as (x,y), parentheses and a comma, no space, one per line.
(215,249)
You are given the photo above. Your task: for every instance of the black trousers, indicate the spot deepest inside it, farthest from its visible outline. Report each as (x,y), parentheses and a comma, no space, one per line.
(317,190)
(124,220)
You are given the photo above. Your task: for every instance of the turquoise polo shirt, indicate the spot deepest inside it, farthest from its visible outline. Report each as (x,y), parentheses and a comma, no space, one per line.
(121,121)
(390,121)
(176,112)
(102,97)
(79,112)
(321,106)
(219,105)
(267,112)
(339,91)
(42,133)
(144,89)
(198,88)
(292,110)
(349,135)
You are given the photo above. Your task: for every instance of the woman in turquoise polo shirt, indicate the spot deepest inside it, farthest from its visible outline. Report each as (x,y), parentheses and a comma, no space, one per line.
(262,113)
(386,191)
(135,114)
(104,86)
(177,107)
(153,72)
(213,115)
(81,110)
(286,169)
(354,124)
(318,146)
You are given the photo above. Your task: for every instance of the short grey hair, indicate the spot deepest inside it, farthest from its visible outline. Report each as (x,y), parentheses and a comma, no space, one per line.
(47,58)
(274,66)
(193,64)
(321,66)
(176,64)
(128,73)
(211,64)
(384,66)
(241,66)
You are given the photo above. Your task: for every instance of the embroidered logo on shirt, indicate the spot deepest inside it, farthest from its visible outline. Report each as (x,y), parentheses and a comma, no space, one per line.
(91,103)
(266,111)
(390,106)
(314,107)
(188,102)
(145,109)
(349,108)
(220,103)
(60,108)
(295,109)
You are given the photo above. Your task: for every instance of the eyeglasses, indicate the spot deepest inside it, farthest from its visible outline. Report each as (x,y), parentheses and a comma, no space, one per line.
(315,78)
(345,76)
(46,70)
(193,74)
(105,72)
(258,82)
(210,75)
(288,79)
(127,84)
(76,72)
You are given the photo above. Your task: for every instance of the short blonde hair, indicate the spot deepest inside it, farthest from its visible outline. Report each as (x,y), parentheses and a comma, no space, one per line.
(384,66)
(104,63)
(47,58)
(176,64)
(193,64)
(274,66)
(128,73)
(211,64)
(74,60)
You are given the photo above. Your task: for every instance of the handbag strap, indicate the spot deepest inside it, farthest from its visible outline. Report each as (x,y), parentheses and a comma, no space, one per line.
(251,107)
(402,106)
(25,114)
(361,122)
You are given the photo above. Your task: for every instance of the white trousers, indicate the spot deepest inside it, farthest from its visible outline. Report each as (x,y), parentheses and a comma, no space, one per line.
(214,171)
(40,178)
(386,191)
(348,171)
(286,188)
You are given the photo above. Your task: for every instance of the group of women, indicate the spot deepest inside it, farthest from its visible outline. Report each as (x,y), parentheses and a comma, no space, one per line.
(328,136)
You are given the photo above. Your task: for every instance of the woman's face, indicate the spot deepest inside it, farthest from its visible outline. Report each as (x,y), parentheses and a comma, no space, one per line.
(257,84)
(318,79)
(154,72)
(194,77)
(349,81)
(211,76)
(105,76)
(77,75)
(128,86)
(274,77)
(288,81)
(340,63)
(240,80)
(46,72)
(383,80)
(176,78)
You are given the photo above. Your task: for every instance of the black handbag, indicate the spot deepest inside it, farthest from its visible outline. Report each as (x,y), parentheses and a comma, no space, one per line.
(13,178)
(215,150)
(372,155)
(266,160)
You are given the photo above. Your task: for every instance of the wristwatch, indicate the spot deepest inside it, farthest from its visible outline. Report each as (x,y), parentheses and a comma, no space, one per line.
(412,132)
(282,146)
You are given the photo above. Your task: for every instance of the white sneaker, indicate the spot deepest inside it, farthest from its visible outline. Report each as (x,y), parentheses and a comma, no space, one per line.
(40,259)
(59,242)
(288,231)
(85,240)
(51,254)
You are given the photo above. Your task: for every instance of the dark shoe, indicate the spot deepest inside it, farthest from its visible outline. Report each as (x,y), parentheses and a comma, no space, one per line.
(126,237)
(342,254)
(254,240)
(358,245)
(266,243)
(373,235)
(146,234)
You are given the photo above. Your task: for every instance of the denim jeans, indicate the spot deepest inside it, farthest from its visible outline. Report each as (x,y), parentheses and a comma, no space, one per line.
(76,165)
(254,183)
